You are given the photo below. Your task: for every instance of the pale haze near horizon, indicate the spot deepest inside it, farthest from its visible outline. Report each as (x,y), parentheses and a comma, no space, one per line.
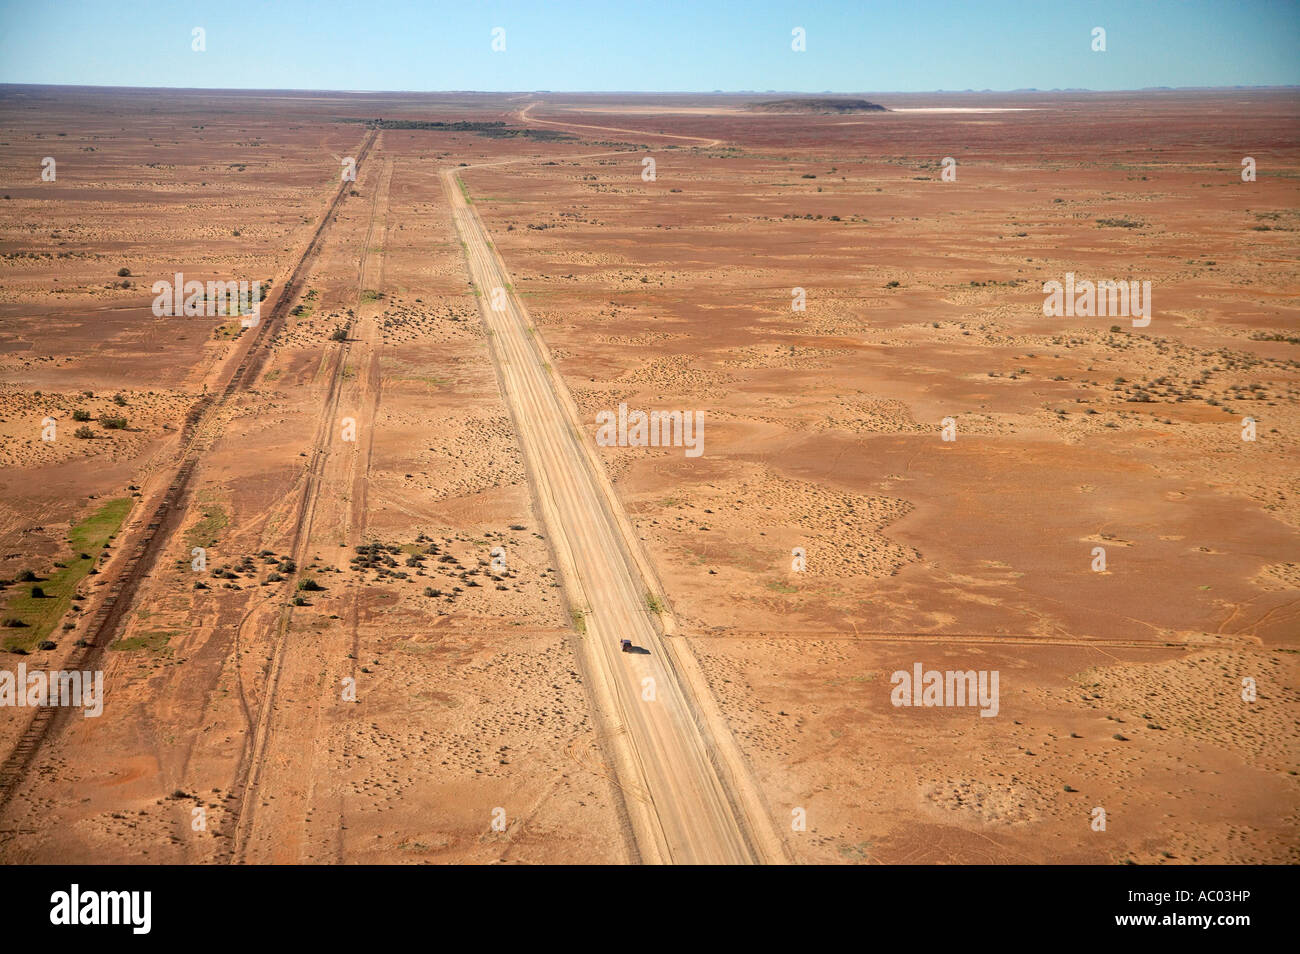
(585,45)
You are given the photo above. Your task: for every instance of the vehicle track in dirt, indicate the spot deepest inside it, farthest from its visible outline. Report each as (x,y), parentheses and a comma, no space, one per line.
(701,141)
(348,469)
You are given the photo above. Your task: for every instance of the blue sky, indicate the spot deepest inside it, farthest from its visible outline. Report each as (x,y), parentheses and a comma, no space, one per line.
(634,45)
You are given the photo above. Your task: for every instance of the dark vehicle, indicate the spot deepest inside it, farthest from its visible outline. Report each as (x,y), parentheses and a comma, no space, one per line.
(626,645)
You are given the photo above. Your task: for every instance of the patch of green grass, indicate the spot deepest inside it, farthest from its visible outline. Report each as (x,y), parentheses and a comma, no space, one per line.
(464,189)
(653,603)
(206,531)
(580,621)
(42,614)
(154,641)
(228,330)
(782,587)
(431,379)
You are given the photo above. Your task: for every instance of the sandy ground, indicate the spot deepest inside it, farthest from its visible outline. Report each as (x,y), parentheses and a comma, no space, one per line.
(1120,690)
(467,702)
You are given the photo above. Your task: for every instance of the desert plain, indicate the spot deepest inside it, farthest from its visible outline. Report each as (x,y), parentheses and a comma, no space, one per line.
(344,568)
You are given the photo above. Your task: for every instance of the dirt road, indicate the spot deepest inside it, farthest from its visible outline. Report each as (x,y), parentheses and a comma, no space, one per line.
(680,788)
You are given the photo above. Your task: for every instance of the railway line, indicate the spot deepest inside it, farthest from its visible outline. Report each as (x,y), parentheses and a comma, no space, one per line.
(201,425)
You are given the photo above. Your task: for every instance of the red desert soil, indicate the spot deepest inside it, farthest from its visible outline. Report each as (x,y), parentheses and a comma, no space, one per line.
(1120,690)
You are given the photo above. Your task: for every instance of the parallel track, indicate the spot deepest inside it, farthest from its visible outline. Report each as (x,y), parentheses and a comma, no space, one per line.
(249,777)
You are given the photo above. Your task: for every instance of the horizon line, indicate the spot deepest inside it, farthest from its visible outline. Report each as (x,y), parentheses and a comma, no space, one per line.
(689,92)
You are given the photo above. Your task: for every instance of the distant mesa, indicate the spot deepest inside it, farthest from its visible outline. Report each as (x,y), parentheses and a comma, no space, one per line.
(828,106)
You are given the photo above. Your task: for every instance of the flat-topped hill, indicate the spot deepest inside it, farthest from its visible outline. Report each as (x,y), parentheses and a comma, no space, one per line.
(824,105)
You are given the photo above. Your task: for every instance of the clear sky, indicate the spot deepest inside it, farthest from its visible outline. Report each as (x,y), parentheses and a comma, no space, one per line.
(634,45)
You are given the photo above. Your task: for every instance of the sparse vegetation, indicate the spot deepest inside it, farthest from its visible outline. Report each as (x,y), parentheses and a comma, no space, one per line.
(39,614)
(1120,223)
(154,641)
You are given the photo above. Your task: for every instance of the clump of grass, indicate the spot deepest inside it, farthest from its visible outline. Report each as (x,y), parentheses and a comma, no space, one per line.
(207,531)
(38,615)
(154,642)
